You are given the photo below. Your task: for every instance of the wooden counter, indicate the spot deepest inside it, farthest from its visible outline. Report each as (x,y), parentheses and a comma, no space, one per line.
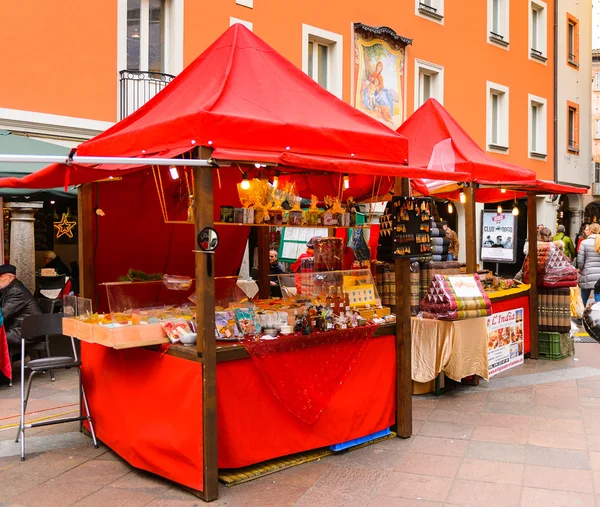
(231,351)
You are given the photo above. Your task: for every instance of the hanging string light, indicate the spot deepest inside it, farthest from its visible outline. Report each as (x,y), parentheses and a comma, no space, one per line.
(503,191)
(499,209)
(515,210)
(450,207)
(276,179)
(174,172)
(245,184)
(462,197)
(346,182)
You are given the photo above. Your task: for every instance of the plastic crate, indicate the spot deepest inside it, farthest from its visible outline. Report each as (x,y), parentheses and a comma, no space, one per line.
(555,346)
(361,440)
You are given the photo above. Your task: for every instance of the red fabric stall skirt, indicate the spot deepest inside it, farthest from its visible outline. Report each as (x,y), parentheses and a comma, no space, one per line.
(147,407)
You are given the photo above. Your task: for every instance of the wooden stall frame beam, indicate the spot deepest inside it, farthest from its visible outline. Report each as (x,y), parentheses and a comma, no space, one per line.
(264,282)
(471,229)
(533,267)
(403,335)
(206,344)
(85,217)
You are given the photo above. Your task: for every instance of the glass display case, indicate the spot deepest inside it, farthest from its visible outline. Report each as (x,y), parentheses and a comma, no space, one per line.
(357,284)
(143,313)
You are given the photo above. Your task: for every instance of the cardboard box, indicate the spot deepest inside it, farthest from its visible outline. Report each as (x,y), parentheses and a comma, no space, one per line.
(427,387)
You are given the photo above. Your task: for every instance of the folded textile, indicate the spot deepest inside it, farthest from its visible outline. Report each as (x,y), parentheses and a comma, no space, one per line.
(435,232)
(439,249)
(440,241)
(438,257)
(457,314)
(443,301)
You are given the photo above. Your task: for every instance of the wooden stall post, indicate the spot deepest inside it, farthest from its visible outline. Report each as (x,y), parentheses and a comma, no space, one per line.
(533,265)
(264,282)
(206,345)
(471,229)
(403,350)
(403,336)
(85,218)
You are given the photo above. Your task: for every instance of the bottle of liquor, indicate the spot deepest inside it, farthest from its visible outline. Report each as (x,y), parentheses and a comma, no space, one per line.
(337,303)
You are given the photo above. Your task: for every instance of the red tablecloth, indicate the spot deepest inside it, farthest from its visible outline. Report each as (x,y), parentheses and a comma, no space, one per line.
(5,366)
(305,372)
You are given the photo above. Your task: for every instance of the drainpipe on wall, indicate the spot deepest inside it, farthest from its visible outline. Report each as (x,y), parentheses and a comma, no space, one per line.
(556,90)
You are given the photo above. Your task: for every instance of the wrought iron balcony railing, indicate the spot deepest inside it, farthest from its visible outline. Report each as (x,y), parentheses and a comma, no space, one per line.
(138,87)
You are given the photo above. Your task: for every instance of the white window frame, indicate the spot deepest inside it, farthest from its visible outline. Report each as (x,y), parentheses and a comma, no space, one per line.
(174,28)
(436,15)
(501,146)
(437,80)
(501,37)
(247,24)
(245,3)
(597,128)
(541,148)
(542,9)
(597,81)
(335,43)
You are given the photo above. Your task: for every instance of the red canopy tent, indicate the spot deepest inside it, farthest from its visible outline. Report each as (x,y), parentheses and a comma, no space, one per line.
(438,142)
(249,104)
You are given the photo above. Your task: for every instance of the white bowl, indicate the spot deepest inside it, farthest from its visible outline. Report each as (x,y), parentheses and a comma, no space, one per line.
(188,339)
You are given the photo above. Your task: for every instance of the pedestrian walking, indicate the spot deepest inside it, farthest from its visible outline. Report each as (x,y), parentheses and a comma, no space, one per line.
(588,261)
(584,232)
(454,245)
(568,247)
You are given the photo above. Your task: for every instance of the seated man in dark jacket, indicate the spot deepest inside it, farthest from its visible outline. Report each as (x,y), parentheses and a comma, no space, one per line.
(16,303)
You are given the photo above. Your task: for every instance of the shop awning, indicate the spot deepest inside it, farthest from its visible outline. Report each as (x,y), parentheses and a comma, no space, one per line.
(515,191)
(438,142)
(242,99)
(22,145)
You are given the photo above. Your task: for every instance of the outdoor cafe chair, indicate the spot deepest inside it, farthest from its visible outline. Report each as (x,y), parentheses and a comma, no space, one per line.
(45,283)
(48,325)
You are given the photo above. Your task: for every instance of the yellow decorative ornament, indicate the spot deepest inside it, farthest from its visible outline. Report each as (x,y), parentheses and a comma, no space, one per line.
(64,227)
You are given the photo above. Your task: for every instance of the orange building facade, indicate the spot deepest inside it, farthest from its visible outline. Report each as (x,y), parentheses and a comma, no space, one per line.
(67,62)
(81,66)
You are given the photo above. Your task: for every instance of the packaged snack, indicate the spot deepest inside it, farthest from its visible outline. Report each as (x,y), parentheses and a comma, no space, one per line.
(174,282)
(238,215)
(176,329)
(247,322)
(227,214)
(225,326)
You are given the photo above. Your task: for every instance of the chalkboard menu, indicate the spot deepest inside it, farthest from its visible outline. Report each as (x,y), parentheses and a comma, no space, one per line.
(411,226)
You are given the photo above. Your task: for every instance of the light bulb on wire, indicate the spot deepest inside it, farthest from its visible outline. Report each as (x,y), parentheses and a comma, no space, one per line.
(450,208)
(515,210)
(174,172)
(245,184)
(462,197)
(499,209)
(276,179)
(503,191)
(346,182)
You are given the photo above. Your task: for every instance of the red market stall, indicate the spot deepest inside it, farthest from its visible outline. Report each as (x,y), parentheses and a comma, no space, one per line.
(185,412)
(438,142)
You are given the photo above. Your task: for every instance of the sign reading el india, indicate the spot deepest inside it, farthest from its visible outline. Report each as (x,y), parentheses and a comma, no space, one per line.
(505,340)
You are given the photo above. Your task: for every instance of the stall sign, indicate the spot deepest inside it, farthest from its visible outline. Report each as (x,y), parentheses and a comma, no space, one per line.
(505,340)
(498,237)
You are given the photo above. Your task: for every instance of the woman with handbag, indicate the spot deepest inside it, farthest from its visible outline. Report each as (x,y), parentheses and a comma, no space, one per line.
(588,261)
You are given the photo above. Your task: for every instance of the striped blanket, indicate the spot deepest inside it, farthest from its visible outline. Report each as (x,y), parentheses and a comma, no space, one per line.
(442,300)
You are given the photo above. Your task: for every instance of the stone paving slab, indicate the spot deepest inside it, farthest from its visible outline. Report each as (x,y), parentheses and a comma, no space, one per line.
(528,438)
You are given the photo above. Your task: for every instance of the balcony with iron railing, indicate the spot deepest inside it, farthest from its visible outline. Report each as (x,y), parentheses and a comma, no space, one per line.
(138,87)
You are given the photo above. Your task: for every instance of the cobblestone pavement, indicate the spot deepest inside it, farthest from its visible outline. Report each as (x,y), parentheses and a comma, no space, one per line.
(530,437)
